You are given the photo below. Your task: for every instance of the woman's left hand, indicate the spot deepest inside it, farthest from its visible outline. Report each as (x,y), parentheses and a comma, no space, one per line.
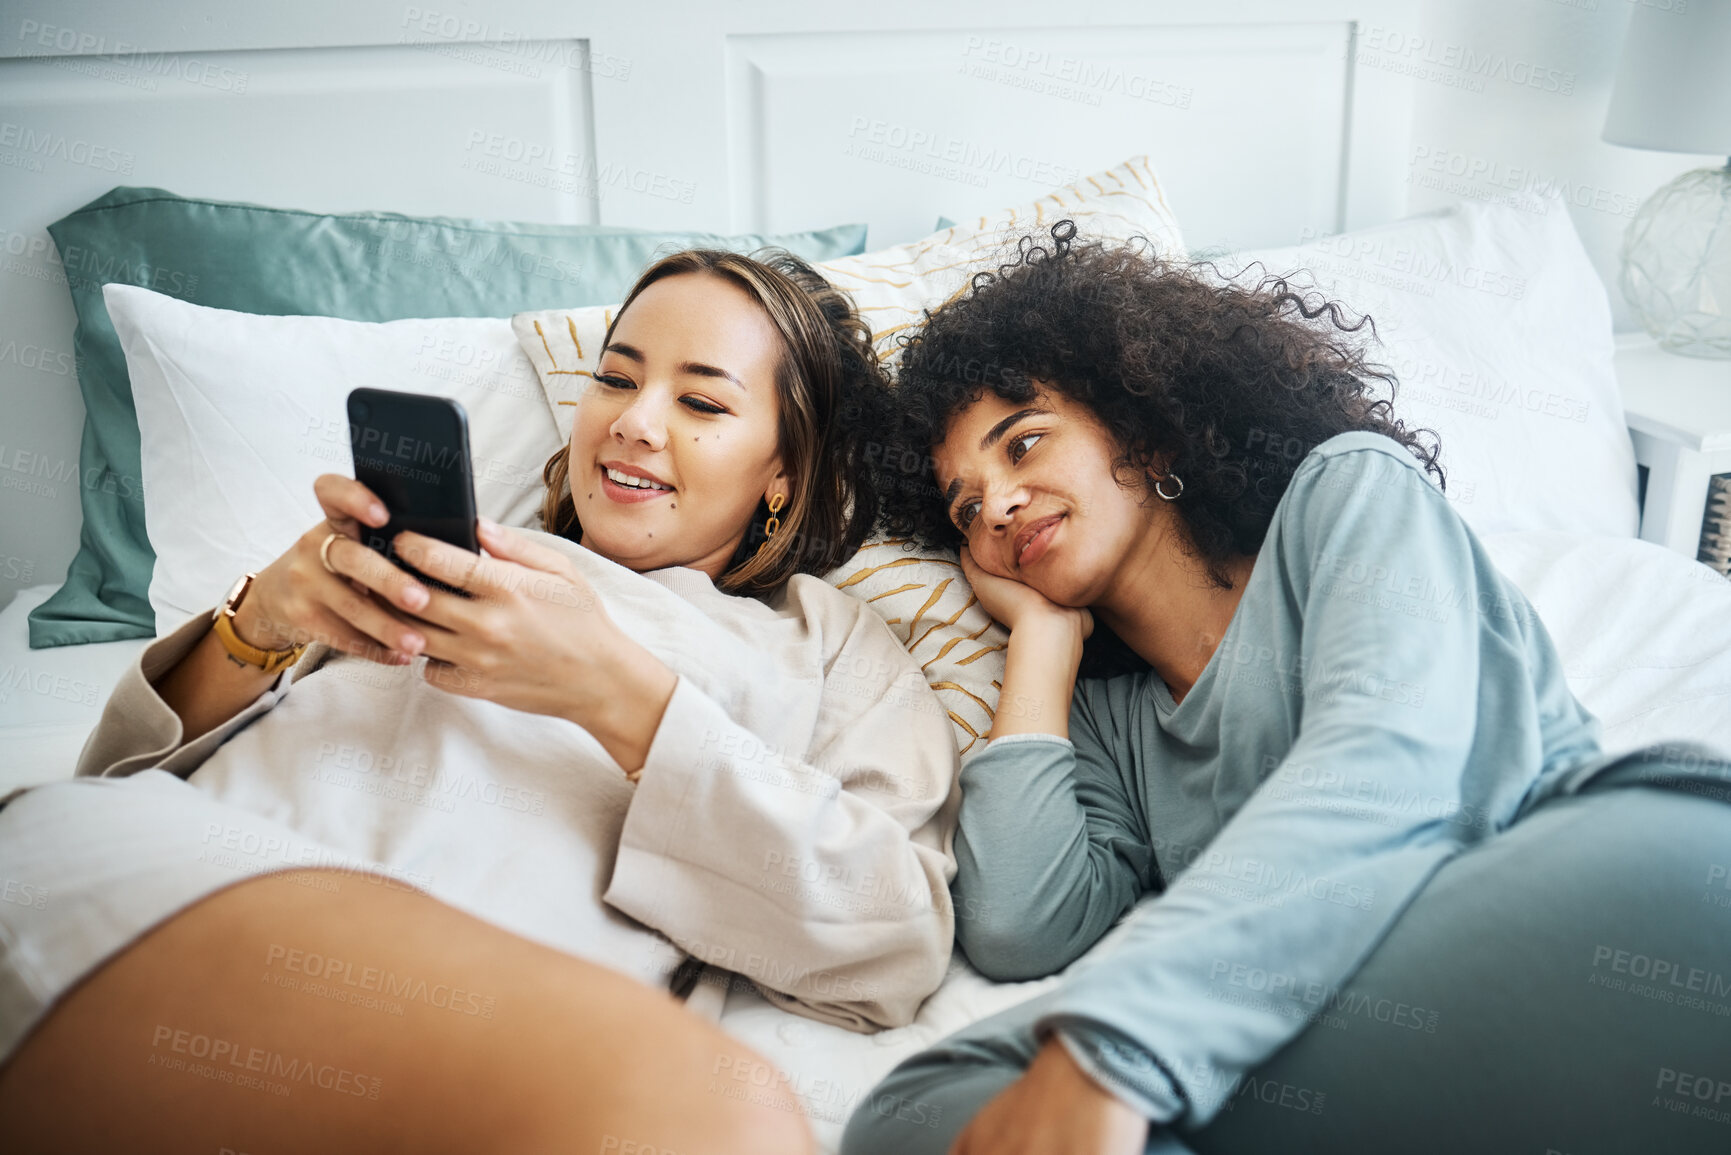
(1011,602)
(1054,1107)
(533,636)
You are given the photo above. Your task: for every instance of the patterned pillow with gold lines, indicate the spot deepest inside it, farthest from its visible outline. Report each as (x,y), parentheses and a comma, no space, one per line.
(892,287)
(563,345)
(928,605)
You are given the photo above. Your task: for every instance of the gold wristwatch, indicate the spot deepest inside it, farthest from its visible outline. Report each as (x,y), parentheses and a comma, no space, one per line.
(270,661)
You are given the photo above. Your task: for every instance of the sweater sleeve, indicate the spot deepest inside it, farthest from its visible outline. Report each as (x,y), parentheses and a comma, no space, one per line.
(822,875)
(1036,894)
(1258,935)
(140,731)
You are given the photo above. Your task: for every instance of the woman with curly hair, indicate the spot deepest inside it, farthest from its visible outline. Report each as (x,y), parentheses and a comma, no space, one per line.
(1266,692)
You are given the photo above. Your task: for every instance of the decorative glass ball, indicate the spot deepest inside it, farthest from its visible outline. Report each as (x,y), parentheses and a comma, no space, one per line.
(1677,264)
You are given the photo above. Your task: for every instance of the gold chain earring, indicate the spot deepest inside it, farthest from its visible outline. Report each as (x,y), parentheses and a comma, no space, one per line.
(774,522)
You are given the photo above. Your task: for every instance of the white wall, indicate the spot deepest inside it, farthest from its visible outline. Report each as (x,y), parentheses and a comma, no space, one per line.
(1497,134)
(1442,81)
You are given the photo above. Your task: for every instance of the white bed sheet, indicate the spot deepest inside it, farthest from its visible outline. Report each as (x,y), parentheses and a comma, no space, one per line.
(1645,636)
(50,699)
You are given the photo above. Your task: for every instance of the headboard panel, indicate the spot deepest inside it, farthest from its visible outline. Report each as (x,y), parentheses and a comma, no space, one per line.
(1248,125)
(777,115)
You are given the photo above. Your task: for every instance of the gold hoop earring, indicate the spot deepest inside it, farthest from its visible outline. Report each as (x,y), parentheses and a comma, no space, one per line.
(774,522)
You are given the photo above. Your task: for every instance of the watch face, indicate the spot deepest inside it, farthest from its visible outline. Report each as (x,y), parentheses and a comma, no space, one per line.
(233,592)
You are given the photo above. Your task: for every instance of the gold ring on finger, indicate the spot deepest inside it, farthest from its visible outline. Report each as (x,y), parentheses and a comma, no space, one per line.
(325,553)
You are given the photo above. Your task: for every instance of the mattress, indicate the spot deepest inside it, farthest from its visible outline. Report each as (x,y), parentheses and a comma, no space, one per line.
(1644,633)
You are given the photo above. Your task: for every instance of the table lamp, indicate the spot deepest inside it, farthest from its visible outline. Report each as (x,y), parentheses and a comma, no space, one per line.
(1673,94)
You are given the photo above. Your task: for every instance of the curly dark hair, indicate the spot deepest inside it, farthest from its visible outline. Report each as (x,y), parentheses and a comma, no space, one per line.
(833,395)
(1231,380)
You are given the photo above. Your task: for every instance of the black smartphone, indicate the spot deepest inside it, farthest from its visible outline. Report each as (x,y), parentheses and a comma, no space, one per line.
(412,451)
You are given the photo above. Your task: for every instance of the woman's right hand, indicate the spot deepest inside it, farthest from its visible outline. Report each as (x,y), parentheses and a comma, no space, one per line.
(1011,602)
(295,599)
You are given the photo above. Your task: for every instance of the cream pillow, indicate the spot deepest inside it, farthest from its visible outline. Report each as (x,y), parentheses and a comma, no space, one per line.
(921,594)
(893,286)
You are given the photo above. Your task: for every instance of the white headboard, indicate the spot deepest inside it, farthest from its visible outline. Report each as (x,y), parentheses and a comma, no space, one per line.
(683,114)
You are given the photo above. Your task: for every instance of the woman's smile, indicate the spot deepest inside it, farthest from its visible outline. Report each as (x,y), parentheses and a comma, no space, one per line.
(627,485)
(1035,539)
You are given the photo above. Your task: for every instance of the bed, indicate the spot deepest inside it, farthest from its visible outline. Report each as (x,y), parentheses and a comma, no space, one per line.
(1501,343)
(1648,672)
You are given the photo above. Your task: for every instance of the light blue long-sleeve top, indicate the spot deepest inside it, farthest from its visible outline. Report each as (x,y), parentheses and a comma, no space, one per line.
(1382,699)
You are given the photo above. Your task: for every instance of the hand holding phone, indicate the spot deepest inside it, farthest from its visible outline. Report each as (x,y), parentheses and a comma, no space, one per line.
(412,451)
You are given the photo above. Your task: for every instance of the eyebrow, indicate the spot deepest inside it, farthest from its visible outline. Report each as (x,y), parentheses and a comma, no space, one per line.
(695,368)
(993,435)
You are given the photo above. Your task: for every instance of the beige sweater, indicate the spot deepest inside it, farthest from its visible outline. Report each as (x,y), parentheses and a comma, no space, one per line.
(793,822)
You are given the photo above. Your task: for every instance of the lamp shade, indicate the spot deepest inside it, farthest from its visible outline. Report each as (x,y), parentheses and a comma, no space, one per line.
(1673,89)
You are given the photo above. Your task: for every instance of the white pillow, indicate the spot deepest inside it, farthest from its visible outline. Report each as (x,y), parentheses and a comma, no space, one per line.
(1499,331)
(238,413)
(921,594)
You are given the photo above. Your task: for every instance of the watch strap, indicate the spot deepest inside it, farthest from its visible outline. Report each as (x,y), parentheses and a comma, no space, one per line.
(270,661)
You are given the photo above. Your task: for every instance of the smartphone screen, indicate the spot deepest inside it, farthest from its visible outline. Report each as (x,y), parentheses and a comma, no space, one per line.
(412,451)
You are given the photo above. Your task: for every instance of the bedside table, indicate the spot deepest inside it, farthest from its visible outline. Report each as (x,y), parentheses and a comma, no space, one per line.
(1678,410)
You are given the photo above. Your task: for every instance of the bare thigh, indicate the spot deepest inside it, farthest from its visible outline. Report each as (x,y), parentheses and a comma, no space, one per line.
(317,1011)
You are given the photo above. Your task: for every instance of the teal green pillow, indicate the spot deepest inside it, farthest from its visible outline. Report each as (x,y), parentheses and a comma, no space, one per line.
(253,259)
